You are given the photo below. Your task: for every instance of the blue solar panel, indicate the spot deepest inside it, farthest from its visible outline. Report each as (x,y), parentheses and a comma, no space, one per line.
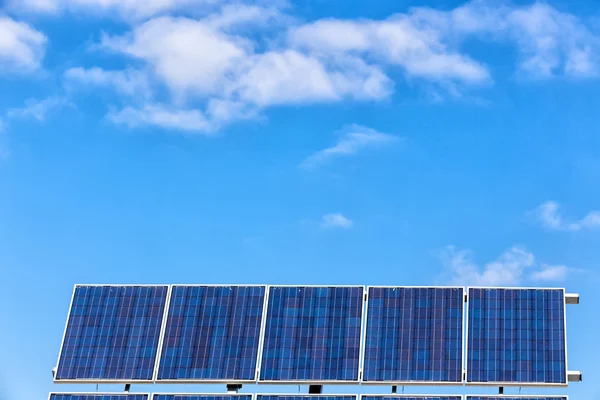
(410,397)
(112,333)
(414,334)
(312,334)
(516,336)
(305,397)
(97,396)
(157,396)
(212,333)
(517,398)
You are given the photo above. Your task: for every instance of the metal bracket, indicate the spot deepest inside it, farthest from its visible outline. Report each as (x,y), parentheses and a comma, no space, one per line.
(501,390)
(233,388)
(315,389)
(574,376)
(572,298)
(127,387)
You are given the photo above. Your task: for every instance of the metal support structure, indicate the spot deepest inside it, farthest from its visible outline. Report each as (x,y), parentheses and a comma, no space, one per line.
(127,387)
(315,389)
(394,389)
(501,390)
(574,376)
(233,388)
(572,298)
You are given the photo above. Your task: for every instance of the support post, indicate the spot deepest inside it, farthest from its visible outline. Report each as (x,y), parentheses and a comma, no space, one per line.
(127,387)
(501,390)
(233,388)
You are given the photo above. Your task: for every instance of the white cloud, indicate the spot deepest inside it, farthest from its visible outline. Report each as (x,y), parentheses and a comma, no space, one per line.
(396,41)
(515,266)
(336,220)
(548,215)
(128,9)
(129,82)
(354,139)
(22,47)
(39,109)
(190,121)
(550,273)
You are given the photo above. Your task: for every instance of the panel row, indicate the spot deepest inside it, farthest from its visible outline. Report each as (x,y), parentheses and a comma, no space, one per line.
(184,396)
(314,334)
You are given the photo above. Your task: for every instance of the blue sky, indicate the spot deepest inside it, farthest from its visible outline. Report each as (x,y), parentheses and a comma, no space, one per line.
(318,142)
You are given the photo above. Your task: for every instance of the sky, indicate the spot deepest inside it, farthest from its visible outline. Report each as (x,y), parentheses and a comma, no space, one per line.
(309,142)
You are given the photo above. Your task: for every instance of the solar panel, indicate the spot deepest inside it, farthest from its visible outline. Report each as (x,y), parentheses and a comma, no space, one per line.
(305,397)
(98,396)
(312,334)
(414,335)
(411,397)
(112,334)
(517,397)
(212,333)
(516,336)
(188,396)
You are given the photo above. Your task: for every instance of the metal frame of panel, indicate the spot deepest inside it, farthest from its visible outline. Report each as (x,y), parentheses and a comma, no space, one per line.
(203,394)
(413,383)
(529,384)
(111,381)
(191,381)
(124,394)
(404,395)
(310,382)
(519,396)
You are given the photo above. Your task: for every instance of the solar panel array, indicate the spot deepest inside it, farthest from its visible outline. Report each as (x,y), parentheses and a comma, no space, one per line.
(414,334)
(97,396)
(212,333)
(312,334)
(112,333)
(516,336)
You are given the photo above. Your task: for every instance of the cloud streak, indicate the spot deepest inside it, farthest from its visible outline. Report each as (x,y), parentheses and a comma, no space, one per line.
(353,140)
(22,48)
(39,109)
(514,266)
(336,221)
(548,214)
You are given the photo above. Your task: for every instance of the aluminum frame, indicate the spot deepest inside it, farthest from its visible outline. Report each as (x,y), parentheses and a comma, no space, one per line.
(522,384)
(415,383)
(210,381)
(124,394)
(314,382)
(105,381)
(202,394)
(405,395)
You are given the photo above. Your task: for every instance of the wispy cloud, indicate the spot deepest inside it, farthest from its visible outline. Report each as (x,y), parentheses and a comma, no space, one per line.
(22,47)
(129,82)
(513,267)
(336,221)
(548,214)
(353,139)
(39,109)
(190,121)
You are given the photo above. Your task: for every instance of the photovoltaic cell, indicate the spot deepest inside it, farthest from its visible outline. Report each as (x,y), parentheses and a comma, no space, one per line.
(157,396)
(97,396)
(516,336)
(312,334)
(414,335)
(112,333)
(415,397)
(305,397)
(212,333)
